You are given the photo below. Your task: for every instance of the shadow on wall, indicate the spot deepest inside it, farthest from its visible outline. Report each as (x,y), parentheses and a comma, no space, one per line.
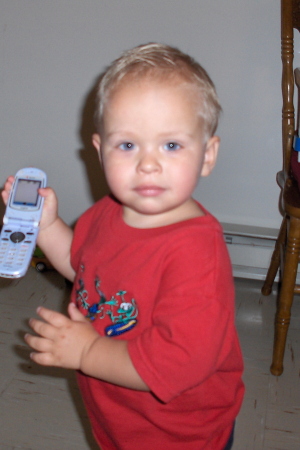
(88,154)
(2,208)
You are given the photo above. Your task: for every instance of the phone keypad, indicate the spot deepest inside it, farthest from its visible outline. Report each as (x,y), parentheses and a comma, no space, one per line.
(16,248)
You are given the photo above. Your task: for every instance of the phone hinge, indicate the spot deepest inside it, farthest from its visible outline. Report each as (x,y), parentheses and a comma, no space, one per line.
(20,222)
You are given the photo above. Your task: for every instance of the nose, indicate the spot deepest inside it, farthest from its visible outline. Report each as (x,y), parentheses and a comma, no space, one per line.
(148,161)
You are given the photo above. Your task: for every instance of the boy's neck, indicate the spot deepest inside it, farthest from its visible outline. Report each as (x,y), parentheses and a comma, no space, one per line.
(189,210)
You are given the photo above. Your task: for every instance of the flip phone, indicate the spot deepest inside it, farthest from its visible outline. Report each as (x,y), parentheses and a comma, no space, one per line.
(21,222)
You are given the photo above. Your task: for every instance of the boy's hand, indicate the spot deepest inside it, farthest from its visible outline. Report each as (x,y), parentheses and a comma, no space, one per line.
(50,209)
(62,342)
(74,344)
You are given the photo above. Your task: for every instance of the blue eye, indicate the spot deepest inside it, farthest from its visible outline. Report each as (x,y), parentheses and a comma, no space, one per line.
(127,146)
(171,146)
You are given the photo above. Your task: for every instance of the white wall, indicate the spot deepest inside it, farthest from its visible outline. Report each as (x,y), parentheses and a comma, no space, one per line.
(51,52)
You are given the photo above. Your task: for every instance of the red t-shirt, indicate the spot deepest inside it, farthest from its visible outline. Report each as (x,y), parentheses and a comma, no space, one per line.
(169,292)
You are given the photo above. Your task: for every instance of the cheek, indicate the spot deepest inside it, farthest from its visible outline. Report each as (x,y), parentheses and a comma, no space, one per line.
(187,186)
(116,174)
(187,173)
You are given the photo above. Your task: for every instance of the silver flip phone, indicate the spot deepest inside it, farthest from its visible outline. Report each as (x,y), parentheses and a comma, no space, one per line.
(21,222)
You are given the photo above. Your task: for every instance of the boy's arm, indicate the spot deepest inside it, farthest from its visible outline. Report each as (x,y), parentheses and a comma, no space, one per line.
(55,236)
(74,344)
(55,242)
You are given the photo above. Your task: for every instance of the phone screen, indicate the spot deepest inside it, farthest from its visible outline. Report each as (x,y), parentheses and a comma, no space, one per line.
(26,192)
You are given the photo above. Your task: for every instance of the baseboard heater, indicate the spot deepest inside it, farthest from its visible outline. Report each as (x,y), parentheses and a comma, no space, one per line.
(250,249)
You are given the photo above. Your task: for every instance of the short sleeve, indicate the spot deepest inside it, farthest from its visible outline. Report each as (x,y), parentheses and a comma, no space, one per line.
(193,317)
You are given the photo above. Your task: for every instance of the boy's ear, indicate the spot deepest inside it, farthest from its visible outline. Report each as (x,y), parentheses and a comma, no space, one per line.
(97,144)
(210,155)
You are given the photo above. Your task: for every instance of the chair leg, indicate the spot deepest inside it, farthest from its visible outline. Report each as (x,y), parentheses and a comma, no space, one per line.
(275,260)
(286,295)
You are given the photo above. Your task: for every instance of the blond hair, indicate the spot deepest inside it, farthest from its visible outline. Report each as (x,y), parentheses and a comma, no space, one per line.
(160,61)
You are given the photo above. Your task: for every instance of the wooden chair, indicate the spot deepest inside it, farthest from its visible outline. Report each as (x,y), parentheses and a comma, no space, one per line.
(287,249)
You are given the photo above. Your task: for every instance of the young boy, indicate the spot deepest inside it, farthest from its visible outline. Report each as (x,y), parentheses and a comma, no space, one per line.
(151,329)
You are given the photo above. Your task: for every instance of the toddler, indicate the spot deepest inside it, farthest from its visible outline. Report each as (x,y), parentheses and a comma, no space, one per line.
(151,320)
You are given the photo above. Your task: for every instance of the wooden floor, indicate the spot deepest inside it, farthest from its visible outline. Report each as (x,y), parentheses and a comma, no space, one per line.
(41,409)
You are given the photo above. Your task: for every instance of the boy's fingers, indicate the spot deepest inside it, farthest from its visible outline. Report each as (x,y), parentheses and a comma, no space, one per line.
(54,318)
(4,196)
(75,314)
(7,188)
(46,192)
(44,359)
(37,343)
(43,329)
(8,183)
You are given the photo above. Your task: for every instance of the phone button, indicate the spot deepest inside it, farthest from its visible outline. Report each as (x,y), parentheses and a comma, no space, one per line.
(17,237)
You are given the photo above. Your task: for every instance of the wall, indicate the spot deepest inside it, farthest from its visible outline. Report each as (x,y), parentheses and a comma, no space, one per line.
(52,51)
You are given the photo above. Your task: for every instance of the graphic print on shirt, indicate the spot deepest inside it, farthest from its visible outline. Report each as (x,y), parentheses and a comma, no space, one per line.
(122,313)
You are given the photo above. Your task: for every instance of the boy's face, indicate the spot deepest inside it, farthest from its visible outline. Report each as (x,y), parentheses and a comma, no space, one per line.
(153,152)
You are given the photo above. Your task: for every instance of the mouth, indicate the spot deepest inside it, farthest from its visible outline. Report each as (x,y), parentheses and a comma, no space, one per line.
(149,191)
